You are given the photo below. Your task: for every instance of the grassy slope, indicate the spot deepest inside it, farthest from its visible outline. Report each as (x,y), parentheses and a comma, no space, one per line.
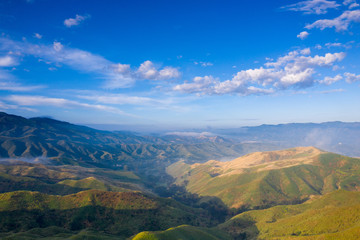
(333,216)
(122,214)
(183,232)
(63,180)
(254,188)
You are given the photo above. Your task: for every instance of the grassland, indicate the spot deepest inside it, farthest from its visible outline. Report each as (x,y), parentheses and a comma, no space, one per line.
(122,214)
(184,232)
(270,181)
(333,216)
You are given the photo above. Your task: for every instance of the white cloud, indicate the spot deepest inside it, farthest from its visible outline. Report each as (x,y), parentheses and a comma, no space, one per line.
(58,102)
(312,6)
(296,69)
(191,134)
(351,77)
(351,3)
(354,5)
(116,75)
(38,36)
(147,70)
(348,2)
(199,84)
(58,46)
(331,80)
(340,23)
(75,21)
(7,61)
(7,80)
(121,99)
(303,35)
(204,64)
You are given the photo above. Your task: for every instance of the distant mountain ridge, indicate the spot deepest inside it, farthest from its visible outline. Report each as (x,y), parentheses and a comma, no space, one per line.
(73,144)
(339,137)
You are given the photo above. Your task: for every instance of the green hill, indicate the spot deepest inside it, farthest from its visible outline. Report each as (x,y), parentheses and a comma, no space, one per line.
(65,179)
(183,232)
(333,216)
(122,214)
(266,179)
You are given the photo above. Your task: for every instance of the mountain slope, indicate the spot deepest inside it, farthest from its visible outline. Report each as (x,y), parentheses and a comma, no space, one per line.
(333,216)
(44,139)
(270,178)
(183,232)
(122,214)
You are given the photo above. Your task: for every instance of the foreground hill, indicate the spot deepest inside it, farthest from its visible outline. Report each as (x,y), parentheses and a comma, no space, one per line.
(265,179)
(184,232)
(122,214)
(333,216)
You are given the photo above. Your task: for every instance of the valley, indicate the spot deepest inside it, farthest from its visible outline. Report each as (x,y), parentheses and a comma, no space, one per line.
(111,185)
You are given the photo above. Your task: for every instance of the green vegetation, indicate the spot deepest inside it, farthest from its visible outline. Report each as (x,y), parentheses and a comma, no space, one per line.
(267,183)
(63,180)
(333,216)
(122,214)
(183,232)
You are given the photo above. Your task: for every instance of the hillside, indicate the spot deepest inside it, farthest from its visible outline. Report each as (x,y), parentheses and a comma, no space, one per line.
(122,214)
(44,140)
(183,232)
(265,179)
(65,179)
(333,216)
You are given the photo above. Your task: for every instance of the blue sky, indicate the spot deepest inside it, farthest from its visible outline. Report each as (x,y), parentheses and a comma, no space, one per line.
(181,64)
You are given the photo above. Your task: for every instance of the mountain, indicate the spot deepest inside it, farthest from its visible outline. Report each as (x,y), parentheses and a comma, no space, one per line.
(339,137)
(45,139)
(335,215)
(264,179)
(65,179)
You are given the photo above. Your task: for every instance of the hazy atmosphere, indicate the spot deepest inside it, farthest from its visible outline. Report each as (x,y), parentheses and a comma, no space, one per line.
(180,64)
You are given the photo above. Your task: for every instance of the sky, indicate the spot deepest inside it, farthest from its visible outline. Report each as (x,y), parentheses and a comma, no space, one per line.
(126,65)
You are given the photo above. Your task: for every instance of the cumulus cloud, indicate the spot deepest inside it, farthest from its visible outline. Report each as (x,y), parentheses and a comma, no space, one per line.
(351,77)
(116,75)
(312,6)
(38,36)
(147,70)
(303,35)
(70,22)
(331,80)
(340,23)
(7,61)
(295,69)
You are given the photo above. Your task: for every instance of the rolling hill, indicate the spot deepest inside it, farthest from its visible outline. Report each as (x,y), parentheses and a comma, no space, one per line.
(122,214)
(266,179)
(335,215)
(184,232)
(44,139)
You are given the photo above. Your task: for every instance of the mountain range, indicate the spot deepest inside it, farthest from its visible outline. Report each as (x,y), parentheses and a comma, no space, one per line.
(64,181)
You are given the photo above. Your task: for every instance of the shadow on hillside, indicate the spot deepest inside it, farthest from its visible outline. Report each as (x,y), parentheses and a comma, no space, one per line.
(103,219)
(241,229)
(8,185)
